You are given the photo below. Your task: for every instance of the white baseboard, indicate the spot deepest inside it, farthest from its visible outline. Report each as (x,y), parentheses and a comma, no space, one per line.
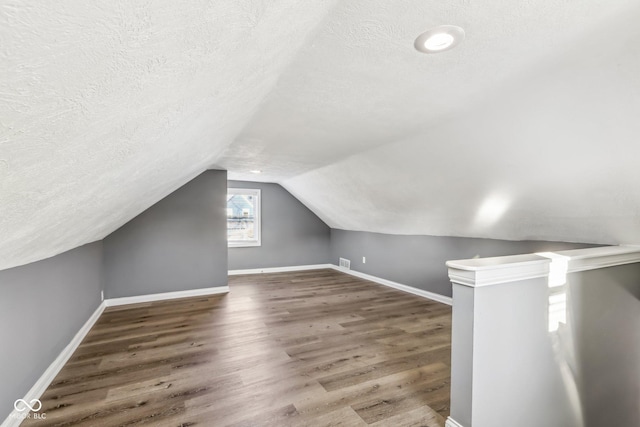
(112,302)
(14,419)
(422,293)
(399,286)
(452,423)
(280,269)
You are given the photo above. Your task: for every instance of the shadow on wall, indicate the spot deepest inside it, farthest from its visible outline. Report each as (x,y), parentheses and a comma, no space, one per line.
(601,344)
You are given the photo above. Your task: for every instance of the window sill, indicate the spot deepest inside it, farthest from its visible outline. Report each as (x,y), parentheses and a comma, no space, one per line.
(243,244)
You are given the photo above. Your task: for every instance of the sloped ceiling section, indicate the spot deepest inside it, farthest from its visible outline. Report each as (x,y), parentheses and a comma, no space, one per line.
(527,130)
(108,106)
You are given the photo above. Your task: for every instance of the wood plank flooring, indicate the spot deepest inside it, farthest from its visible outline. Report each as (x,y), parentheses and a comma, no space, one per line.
(312,348)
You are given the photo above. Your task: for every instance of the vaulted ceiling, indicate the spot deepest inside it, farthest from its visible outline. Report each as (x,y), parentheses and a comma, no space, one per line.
(527,130)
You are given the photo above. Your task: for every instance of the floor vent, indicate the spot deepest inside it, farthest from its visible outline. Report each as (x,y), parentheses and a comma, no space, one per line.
(345,263)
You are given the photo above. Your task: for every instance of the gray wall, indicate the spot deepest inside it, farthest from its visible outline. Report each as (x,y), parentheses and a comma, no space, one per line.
(180,243)
(605,305)
(43,305)
(291,233)
(419,261)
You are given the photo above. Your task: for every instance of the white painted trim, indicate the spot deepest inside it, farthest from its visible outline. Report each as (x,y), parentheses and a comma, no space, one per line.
(13,420)
(504,274)
(608,256)
(452,423)
(45,379)
(493,271)
(280,269)
(385,282)
(112,302)
(399,286)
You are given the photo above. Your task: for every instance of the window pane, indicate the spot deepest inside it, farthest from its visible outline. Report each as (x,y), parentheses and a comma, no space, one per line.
(242,217)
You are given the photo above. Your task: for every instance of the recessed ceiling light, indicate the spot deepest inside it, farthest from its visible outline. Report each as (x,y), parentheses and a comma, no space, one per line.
(439,39)
(256,171)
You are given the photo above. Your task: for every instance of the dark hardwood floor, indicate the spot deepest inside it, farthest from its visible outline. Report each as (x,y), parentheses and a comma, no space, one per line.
(312,348)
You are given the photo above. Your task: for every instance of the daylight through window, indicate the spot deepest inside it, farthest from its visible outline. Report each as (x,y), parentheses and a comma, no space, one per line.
(243,217)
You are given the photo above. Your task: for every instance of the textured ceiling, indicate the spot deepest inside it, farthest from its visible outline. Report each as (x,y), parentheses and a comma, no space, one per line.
(106,107)
(527,130)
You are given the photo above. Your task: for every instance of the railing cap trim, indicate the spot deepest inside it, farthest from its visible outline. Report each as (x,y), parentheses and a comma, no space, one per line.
(495,270)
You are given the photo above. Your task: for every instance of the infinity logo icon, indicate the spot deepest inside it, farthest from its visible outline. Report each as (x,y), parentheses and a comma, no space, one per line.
(35,405)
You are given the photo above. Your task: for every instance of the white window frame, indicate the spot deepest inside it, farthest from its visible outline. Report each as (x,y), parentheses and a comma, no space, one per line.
(255,192)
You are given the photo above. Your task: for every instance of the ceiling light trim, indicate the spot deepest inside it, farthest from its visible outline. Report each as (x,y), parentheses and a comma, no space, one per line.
(439,39)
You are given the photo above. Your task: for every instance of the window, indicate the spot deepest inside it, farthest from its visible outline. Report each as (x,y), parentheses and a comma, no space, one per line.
(243,217)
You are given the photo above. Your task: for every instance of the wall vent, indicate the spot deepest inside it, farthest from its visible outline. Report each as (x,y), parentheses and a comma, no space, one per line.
(345,263)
